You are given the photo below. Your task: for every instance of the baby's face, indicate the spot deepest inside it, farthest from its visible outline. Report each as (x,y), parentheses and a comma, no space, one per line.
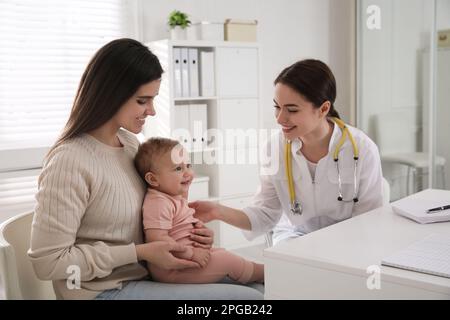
(174,173)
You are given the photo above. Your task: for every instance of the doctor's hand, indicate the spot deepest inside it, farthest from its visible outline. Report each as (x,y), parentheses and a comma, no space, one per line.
(205,210)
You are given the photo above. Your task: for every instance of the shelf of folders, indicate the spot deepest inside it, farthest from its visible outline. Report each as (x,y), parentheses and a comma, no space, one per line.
(193,73)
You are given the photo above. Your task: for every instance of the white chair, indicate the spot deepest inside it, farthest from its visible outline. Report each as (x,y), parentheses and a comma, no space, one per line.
(16,272)
(386,192)
(285,222)
(396,137)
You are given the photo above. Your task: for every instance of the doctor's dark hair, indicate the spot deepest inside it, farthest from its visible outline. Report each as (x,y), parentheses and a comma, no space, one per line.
(112,76)
(312,79)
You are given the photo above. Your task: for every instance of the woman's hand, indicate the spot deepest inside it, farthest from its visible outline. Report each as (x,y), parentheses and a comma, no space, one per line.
(201,256)
(205,210)
(159,254)
(202,236)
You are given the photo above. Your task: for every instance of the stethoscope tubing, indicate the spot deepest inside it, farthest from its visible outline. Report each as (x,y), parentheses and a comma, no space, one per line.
(296,207)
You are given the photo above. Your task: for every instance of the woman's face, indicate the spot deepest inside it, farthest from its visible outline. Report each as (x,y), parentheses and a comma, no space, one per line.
(131,116)
(297,116)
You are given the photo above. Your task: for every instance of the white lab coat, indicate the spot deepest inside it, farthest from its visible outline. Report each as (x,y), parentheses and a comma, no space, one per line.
(319,197)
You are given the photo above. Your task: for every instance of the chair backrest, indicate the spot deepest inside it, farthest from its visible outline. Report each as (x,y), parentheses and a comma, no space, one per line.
(386,192)
(16,272)
(395,132)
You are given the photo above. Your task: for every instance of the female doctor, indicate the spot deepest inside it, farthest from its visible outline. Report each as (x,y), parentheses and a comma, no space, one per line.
(327,171)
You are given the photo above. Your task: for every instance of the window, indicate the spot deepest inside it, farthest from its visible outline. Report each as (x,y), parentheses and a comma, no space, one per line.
(17,190)
(44,48)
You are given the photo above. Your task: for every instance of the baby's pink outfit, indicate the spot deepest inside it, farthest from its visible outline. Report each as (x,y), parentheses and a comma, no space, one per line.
(172,213)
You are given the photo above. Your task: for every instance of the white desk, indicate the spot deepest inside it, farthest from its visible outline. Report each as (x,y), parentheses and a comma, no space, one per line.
(332,263)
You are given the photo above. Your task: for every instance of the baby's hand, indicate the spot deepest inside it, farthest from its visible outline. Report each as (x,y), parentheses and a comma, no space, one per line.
(201,256)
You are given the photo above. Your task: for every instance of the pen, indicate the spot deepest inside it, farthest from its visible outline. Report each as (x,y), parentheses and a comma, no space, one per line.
(439,209)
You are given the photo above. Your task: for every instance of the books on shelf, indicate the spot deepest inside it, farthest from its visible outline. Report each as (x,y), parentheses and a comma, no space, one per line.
(416,209)
(177,72)
(430,255)
(191,123)
(184,72)
(207,88)
(193,73)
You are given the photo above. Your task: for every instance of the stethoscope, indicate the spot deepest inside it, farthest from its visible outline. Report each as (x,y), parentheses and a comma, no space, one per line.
(296,207)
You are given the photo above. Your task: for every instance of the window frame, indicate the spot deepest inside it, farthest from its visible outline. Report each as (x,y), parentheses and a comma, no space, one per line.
(15,159)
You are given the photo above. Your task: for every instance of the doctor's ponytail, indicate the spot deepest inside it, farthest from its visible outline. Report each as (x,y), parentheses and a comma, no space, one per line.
(333,112)
(312,79)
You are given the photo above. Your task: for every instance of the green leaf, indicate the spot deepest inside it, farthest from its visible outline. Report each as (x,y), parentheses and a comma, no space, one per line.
(178,18)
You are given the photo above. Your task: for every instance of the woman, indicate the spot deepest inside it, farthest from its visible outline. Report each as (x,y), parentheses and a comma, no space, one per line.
(325,171)
(87,231)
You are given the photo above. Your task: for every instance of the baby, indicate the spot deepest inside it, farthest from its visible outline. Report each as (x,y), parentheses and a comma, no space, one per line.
(164,165)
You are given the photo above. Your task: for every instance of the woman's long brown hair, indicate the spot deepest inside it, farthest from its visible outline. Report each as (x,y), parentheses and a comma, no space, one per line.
(112,76)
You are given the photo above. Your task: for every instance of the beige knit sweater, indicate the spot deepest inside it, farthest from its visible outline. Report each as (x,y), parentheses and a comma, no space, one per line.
(88,216)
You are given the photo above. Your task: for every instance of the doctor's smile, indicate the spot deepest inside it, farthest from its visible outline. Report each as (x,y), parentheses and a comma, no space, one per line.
(287,129)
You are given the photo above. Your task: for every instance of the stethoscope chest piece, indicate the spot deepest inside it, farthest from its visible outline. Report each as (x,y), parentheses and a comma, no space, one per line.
(296,208)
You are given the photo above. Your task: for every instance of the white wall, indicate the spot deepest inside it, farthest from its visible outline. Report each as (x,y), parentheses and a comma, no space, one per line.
(443,14)
(391,59)
(342,55)
(288,30)
(392,74)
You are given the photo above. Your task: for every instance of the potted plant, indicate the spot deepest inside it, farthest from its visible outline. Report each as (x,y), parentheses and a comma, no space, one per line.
(178,22)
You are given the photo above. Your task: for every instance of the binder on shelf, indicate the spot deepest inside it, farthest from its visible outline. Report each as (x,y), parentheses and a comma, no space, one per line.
(184,72)
(193,72)
(207,88)
(177,72)
(198,125)
(181,131)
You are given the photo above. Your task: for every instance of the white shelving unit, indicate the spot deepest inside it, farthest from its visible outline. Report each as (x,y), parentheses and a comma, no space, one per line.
(234,105)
